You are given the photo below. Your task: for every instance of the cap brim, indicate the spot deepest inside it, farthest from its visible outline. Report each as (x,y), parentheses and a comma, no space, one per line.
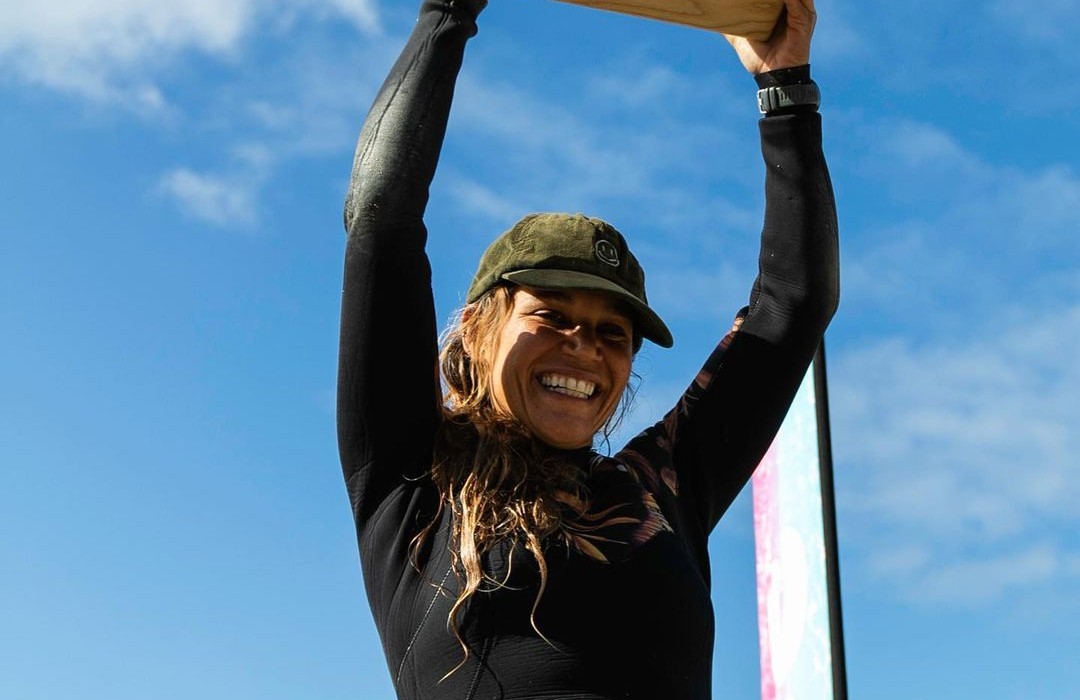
(651,326)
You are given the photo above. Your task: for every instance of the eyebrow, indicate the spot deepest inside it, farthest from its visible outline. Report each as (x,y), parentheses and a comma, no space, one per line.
(550,295)
(614,304)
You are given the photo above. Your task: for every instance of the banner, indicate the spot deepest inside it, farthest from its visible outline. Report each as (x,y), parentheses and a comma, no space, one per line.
(794,538)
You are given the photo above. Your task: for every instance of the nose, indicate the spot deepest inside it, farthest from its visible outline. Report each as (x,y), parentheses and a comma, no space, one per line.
(581,340)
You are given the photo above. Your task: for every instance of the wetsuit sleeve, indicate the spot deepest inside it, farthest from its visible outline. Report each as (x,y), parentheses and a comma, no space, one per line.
(731,413)
(388,387)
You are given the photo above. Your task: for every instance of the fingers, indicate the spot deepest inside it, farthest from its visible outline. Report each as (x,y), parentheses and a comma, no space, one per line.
(801,12)
(789,44)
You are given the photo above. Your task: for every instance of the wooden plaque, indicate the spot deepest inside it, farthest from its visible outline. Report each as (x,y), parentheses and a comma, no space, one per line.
(753,19)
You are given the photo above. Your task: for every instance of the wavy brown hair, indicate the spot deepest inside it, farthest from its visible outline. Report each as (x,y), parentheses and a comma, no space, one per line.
(500,483)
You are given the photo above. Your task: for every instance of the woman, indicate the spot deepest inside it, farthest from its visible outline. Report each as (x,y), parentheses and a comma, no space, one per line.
(503,557)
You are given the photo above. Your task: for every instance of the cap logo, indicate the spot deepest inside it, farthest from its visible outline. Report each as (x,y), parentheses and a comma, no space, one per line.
(607,253)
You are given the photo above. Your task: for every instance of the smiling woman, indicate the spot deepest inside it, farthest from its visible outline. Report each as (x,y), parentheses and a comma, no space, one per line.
(561,363)
(503,556)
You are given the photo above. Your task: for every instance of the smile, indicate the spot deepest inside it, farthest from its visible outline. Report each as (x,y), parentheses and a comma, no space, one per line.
(578,388)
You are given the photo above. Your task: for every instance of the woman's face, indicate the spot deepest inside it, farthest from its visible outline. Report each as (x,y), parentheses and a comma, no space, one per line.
(561,363)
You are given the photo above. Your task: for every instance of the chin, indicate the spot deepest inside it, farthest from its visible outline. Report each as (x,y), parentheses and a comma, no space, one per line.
(565,442)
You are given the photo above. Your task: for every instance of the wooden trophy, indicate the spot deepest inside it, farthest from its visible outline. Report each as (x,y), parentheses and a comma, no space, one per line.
(753,19)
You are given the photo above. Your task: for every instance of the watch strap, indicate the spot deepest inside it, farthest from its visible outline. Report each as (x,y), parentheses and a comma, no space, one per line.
(777,97)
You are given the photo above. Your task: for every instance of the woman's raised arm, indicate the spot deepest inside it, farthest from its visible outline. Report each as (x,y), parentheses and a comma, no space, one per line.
(388,388)
(741,396)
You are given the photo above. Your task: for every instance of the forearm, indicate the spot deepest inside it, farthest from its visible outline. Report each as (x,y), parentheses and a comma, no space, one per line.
(399,144)
(732,411)
(797,288)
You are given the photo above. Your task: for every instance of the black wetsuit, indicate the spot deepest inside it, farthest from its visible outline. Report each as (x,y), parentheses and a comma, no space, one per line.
(626,612)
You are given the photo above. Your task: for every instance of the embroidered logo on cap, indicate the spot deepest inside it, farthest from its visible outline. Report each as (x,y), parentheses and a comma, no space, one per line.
(606,251)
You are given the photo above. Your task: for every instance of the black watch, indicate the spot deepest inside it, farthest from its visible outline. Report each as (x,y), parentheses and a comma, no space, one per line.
(777,97)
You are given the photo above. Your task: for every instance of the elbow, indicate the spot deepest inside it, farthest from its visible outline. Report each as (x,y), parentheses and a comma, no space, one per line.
(361,204)
(819,303)
(358,211)
(828,301)
(817,298)
(365,197)
(810,308)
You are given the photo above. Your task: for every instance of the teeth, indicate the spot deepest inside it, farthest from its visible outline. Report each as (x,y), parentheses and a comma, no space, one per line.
(579,388)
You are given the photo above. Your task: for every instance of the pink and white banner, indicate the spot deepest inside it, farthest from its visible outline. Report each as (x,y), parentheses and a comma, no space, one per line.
(793,601)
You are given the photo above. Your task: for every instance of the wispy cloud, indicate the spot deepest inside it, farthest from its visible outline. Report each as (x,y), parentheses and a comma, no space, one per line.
(975,57)
(106,51)
(969,581)
(956,234)
(313,108)
(953,454)
(217,199)
(112,51)
(954,413)
(653,85)
(363,14)
(581,145)
(226,199)
(319,95)
(481,200)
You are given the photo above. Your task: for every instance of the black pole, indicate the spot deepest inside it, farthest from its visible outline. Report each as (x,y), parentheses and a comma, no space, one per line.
(828,513)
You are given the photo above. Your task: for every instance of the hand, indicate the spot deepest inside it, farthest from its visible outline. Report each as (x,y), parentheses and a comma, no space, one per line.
(787,47)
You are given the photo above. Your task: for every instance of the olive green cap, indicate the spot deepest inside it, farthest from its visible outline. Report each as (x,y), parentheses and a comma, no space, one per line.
(569,251)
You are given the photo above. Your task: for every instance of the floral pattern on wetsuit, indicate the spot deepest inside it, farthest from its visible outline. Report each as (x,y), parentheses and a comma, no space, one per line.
(619,515)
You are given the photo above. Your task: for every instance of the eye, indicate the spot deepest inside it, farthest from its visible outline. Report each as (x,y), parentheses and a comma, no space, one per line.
(614,332)
(552,318)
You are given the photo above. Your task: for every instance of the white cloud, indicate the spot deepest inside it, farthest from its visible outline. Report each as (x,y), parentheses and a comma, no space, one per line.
(652,85)
(319,96)
(208,197)
(972,582)
(953,456)
(678,293)
(305,112)
(229,198)
(914,144)
(583,144)
(362,13)
(957,234)
(954,388)
(1044,204)
(217,199)
(110,51)
(481,200)
(101,49)
(510,115)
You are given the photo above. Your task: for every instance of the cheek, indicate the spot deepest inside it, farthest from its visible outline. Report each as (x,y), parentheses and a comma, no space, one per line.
(620,377)
(622,367)
(506,365)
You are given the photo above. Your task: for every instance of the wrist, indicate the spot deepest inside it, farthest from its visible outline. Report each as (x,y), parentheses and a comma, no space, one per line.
(788,99)
(787,91)
(795,75)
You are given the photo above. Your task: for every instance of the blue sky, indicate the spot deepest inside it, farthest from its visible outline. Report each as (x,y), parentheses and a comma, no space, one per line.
(173,522)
